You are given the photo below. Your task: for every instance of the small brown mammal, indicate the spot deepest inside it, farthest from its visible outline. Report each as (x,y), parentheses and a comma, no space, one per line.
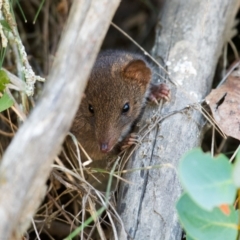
(117,90)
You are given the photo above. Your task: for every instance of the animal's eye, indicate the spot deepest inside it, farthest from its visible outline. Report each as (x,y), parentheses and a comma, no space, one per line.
(90,108)
(125,108)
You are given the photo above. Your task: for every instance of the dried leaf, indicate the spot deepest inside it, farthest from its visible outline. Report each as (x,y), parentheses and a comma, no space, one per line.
(225,105)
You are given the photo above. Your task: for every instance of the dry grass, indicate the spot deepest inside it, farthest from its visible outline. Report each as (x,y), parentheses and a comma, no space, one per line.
(71,201)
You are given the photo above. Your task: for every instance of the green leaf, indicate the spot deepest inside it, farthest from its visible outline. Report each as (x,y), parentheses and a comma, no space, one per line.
(236,170)
(4,79)
(189,238)
(5,102)
(21,10)
(38,11)
(207,180)
(2,56)
(201,224)
(5,24)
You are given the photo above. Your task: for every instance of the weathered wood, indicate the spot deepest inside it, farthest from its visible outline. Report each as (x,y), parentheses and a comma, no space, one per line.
(190,38)
(26,164)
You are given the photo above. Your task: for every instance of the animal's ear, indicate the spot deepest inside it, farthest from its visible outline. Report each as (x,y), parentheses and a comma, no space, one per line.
(137,70)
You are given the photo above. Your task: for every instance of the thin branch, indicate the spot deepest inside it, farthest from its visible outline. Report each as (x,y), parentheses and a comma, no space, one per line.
(26,164)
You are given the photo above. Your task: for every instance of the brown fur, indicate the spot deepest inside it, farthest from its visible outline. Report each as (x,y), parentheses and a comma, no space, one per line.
(117,78)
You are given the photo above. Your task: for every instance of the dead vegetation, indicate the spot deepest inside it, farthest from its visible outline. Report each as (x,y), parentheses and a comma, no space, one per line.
(71,203)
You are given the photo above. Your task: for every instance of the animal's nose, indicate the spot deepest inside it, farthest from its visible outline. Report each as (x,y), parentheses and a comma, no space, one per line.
(104,147)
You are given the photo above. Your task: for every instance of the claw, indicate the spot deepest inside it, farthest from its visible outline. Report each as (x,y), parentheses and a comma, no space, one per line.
(159,92)
(131,139)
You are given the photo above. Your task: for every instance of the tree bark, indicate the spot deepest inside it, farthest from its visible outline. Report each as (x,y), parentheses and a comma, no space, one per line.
(190,37)
(26,164)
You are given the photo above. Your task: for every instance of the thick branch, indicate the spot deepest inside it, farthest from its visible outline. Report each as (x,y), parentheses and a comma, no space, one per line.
(27,162)
(190,40)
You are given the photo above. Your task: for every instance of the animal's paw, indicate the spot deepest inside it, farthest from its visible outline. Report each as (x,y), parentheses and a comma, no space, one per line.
(131,139)
(158,92)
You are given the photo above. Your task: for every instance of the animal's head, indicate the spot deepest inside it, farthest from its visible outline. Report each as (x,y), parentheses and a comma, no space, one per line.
(115,96)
